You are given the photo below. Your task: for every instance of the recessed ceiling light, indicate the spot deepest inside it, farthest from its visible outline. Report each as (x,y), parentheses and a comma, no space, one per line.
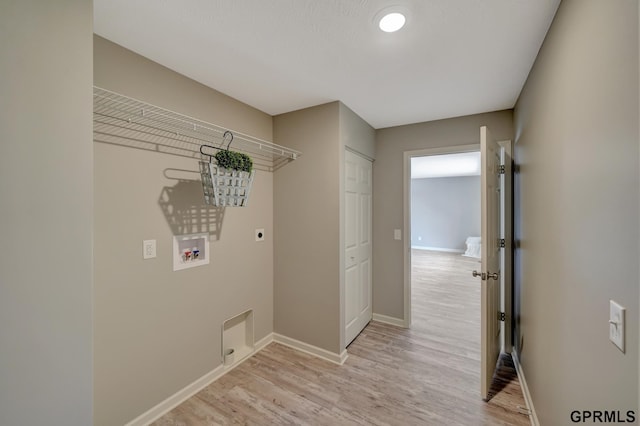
(392,22)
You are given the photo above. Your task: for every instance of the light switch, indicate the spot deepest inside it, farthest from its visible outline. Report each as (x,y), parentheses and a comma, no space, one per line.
(148,249)
(616,324)
(397,234)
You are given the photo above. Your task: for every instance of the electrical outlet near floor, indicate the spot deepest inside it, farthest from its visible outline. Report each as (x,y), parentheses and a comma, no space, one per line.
(616,324)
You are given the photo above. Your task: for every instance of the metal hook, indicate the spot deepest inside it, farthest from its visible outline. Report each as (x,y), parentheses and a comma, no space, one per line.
(209,155)
(224,137)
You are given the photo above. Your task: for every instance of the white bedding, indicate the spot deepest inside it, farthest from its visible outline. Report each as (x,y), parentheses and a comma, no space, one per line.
(473,247)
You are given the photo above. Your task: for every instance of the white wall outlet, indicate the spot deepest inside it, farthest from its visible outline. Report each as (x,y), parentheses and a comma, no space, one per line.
(148,249)
(397,234)
(260,234)
(616,324)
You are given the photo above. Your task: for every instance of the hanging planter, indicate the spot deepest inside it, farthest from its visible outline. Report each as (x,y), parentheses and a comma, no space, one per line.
(234,161)
(227,183)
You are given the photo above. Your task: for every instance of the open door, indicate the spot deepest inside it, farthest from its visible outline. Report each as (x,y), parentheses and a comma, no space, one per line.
(490,252)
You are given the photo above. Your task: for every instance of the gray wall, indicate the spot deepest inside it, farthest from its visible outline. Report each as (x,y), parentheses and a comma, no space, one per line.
(307,228)
(445,211)
(388,209)
(308,223)
(156,330)
(356,134)
(46,210)
(576,215)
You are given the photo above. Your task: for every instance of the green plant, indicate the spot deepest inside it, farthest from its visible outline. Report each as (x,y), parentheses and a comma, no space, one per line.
(234,160)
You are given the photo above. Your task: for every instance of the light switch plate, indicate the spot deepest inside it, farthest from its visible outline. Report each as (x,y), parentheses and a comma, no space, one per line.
(397,234)
(616,324)
(148,249)
(260,234)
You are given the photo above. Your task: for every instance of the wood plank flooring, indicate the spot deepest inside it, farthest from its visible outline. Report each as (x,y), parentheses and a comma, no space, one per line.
(426,375)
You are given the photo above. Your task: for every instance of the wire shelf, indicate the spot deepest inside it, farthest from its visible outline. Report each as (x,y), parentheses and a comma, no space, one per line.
(122,120)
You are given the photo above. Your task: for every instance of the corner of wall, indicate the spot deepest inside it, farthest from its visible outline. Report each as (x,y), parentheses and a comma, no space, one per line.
(307,228)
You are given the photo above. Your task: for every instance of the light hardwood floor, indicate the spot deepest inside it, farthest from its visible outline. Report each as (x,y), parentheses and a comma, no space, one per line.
(426,375)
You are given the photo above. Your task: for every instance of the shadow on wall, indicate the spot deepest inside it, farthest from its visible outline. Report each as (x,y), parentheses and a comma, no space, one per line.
(183,203)
(183,206)
(120,132)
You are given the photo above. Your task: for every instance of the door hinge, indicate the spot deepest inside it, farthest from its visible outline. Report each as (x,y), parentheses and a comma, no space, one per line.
(501,169)
(501,243)
(502,316)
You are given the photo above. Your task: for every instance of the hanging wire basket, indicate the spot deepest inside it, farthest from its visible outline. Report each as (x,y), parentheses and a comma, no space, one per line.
(225,187)
(222,186)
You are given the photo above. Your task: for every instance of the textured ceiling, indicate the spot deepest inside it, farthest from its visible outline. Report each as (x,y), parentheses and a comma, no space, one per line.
(453,57)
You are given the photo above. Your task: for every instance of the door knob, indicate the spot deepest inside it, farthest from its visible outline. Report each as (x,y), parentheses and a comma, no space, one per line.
(482,275)
(485,276)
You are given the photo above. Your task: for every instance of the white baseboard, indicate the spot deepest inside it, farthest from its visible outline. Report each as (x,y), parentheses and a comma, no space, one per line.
(260,344)
(188,391)
(525,390)
(447,250)
(389,320)
(310,349)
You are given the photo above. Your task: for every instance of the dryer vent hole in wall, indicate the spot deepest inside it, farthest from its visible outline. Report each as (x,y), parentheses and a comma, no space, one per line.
(229,357)
(237,338)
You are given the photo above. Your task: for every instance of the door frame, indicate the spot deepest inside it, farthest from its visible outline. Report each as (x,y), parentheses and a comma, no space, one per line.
(408,155)
(506,259)
(507,221)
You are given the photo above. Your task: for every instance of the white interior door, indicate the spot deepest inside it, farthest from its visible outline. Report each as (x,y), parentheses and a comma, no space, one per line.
(357,199)
(490,252)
